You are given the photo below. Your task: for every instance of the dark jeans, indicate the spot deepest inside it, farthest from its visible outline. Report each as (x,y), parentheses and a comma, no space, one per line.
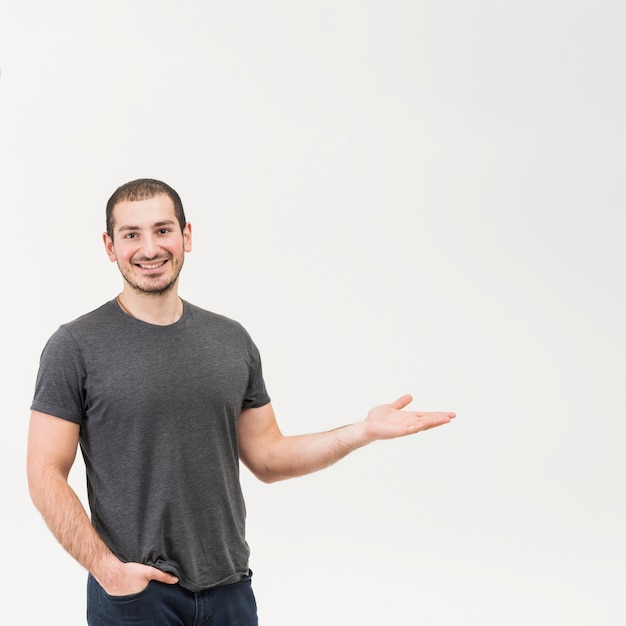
(160,604)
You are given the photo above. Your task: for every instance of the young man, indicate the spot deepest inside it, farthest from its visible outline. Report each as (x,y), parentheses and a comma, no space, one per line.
(164,399)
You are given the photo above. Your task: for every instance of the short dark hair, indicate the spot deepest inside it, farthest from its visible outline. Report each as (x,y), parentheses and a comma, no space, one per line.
(144,189)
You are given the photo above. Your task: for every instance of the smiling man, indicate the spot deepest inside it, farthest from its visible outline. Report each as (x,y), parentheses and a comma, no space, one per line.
(164,399)
(148,239)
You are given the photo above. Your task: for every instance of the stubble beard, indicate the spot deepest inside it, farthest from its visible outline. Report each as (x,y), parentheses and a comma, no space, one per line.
(147,289)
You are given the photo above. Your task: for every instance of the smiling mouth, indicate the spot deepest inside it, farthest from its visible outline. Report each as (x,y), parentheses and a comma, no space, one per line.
(151,266)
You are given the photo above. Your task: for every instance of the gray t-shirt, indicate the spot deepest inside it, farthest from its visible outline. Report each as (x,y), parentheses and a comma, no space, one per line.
(158,409)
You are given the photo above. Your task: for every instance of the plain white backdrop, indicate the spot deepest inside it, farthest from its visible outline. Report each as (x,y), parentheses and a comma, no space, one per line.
(393,197)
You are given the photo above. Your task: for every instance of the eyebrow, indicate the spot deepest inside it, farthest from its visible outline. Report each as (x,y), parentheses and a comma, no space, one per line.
(129,227)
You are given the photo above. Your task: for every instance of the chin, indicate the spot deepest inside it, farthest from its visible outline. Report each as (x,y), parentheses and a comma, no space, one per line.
(152,288)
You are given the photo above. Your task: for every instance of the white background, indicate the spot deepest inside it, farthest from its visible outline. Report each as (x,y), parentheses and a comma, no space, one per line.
(400,196)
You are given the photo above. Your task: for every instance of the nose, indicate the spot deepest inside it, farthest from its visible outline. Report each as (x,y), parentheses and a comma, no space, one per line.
(150,247)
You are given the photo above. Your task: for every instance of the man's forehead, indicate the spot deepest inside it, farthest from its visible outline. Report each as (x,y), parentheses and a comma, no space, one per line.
(150,210)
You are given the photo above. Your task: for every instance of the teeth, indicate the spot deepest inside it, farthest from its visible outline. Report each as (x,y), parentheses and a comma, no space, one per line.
(151,266)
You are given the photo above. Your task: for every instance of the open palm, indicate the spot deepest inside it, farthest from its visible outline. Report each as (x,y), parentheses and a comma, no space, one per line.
(388,421)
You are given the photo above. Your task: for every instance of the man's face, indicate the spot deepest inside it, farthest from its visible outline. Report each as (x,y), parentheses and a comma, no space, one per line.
(147,244)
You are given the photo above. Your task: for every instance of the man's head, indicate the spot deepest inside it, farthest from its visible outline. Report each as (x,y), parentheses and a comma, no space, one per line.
(143,189)
(147,235)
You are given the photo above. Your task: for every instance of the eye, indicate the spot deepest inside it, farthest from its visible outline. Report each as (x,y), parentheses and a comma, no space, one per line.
(164,231)
(130,236)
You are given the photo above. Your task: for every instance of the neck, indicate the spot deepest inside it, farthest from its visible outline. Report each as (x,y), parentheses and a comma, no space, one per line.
(161,310)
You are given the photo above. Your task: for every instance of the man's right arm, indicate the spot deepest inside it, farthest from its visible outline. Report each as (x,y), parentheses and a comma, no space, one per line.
(52,446)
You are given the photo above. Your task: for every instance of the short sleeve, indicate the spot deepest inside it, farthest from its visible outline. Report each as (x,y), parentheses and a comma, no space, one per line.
(60,383)
(256,393)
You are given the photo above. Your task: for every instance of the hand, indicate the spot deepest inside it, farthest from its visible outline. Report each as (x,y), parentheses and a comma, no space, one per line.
(130,578)
(389,420)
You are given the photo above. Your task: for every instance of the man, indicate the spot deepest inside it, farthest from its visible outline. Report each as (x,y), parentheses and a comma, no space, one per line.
(164,399)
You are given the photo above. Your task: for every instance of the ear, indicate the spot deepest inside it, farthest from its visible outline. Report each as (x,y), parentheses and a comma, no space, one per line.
(187,237)
(109,247)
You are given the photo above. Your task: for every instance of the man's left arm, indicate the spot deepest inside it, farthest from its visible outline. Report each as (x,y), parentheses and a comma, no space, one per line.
(272,456)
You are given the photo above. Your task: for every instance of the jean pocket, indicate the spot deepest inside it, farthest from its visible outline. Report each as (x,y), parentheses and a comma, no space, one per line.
(131,597)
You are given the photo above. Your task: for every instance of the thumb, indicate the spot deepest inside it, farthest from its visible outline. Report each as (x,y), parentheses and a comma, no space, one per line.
(164,577)
(402,401)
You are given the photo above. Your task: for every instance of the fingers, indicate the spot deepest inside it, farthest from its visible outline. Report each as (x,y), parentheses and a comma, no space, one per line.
(436,414)
(420,421)
(406,399)
(432,419)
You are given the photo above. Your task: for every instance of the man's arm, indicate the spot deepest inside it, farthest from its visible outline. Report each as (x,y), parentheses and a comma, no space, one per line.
(52,446)
(271,456)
